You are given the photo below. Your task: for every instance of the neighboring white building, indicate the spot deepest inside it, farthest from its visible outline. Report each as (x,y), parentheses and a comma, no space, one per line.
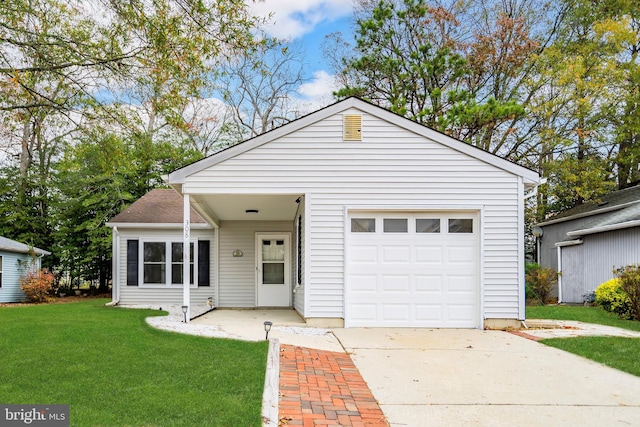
(351,215)
(15,258)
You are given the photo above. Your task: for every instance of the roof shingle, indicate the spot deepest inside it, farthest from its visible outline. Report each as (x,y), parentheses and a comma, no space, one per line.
(158,206)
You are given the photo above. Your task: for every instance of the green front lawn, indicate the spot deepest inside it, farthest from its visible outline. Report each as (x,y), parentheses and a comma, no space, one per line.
(616,352)
(582,314)
(113,369)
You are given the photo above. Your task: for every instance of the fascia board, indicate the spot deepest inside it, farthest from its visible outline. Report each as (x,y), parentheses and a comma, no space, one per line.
(568,243)
(159,226)
(586,214)
(610,227)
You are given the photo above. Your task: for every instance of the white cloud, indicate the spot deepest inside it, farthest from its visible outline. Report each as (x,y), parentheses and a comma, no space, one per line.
(294,18)
(317,93)
(322,84)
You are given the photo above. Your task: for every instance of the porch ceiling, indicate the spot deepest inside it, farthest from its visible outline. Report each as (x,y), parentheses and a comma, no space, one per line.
(233,207)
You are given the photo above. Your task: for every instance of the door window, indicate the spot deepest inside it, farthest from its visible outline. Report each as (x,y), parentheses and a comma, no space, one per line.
(272,261)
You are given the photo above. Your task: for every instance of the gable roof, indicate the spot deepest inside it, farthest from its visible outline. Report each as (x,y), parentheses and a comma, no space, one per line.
(158,206)
(9,245)
(610,204)
(531,178)
(617,210)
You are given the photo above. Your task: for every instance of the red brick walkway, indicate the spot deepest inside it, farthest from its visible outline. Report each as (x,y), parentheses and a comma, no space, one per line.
(324,388)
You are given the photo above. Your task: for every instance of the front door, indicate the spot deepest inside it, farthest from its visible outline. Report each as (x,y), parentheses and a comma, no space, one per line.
(273,270)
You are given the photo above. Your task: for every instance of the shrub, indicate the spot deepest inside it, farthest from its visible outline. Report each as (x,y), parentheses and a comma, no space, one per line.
(611,297)
(629,277)
(540,280)
(37,285)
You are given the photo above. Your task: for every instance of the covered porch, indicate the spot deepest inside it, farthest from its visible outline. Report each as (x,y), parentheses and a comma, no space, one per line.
(258,248)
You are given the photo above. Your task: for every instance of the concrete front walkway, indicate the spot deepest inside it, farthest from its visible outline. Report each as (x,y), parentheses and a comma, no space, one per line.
(441,377)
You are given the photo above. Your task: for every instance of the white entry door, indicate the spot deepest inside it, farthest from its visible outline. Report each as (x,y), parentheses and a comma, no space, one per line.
(273,270)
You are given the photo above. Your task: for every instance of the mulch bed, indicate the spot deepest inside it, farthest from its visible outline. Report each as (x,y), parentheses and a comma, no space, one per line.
(64,300)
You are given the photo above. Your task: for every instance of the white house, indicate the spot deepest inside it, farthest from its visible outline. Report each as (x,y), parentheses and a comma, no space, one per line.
(351,215)
(15,259)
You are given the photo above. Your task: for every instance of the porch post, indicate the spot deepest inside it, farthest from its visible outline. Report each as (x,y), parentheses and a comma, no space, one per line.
(186,260)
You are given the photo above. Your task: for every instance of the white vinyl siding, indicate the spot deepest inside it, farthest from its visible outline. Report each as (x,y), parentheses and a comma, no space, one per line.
(237,275)
(164,295)
(392,168)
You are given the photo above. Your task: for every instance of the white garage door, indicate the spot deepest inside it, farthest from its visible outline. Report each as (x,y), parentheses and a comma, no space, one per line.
(413,270)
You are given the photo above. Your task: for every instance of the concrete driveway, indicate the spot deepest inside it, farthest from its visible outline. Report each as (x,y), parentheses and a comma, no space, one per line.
(426,377)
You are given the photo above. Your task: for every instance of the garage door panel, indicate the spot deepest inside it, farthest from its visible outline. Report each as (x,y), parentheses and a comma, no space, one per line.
(364,283)
(431,283)
(428,313)
(428,255)
(460,254)
(396,312)
(396,254)
(413,279)
(464,283)
(364,254)
(395,283)
(364,313)
(459,312)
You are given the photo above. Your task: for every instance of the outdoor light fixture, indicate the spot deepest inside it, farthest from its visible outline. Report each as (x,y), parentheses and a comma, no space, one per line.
(210,301)
(267,328)
(184,311)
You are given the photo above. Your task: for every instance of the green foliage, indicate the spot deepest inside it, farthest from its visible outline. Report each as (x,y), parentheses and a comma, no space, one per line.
(629,278)
(408,61)
(97,178)
(116,370)
(611,297)
(38,285)
(616,352)
(540,281)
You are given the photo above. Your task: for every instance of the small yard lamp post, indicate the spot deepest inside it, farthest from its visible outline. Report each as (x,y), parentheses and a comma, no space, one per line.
(184,312)
(267,328)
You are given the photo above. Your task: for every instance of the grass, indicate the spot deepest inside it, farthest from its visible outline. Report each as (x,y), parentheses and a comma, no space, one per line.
(113,369)
(616,352)
(581,313)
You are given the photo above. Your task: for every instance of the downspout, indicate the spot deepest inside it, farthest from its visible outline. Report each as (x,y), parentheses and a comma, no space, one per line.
(115,268)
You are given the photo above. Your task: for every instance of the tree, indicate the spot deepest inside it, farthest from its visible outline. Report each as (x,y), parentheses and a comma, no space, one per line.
(583,121)
(69,72)
(259,84)
(98,176)
(414,57)
(210,126)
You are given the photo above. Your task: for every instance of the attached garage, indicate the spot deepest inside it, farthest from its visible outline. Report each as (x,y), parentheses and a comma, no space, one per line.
(383,222)
(413,269)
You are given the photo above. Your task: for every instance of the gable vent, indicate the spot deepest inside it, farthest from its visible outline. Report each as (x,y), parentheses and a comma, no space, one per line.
(352,127)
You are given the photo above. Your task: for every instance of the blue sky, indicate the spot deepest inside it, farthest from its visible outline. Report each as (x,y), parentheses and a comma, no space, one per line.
(308,22)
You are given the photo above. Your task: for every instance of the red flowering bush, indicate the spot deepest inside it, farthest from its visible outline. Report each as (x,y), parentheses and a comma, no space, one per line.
(37,285)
